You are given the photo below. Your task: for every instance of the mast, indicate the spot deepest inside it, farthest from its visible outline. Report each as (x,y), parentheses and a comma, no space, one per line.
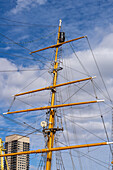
(51,130)
(50,142)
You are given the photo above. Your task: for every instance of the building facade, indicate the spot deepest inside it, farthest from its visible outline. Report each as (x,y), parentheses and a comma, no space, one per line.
(17,143)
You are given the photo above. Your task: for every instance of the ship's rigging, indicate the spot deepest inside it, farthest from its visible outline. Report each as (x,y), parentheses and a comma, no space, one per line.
(51,130)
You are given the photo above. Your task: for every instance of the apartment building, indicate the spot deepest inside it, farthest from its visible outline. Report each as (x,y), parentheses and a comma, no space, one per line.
(17,143)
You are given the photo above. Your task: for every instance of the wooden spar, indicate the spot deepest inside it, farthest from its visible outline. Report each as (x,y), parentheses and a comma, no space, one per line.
(51,87)
(53,106)
(57,45)
(57,149)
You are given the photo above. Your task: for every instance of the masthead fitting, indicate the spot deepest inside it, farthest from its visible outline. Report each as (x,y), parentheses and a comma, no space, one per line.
(60,21)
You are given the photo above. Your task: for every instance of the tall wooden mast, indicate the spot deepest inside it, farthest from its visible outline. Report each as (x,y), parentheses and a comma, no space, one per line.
(52,112)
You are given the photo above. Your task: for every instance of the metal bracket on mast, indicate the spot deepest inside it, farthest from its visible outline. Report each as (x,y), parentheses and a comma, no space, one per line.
(53,90)
(57,69)
(48,130)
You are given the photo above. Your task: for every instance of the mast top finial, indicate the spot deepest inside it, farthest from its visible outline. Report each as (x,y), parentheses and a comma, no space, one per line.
(60,21)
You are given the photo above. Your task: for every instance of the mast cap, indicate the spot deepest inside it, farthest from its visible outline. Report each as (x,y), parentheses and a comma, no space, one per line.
(60,21)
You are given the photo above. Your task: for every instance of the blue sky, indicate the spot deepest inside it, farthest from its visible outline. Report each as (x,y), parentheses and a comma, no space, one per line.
(28,25)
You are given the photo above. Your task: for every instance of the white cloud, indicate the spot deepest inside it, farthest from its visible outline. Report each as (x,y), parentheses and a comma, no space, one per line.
(13,82)
(6,48)
(26,4)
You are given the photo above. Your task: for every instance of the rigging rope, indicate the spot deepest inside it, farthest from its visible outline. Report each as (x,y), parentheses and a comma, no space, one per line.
(98,69)
(31,41)
(25,23)
(84,128)
(67,141)
(24,48)
(89,157)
